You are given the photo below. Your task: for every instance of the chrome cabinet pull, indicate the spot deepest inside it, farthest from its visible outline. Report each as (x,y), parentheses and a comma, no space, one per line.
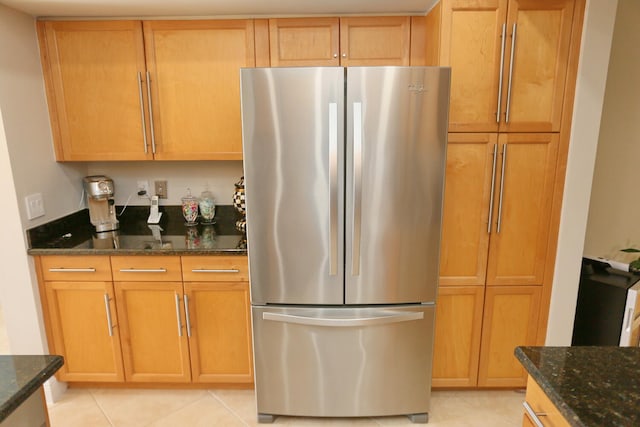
(108,309)
(357,186)
(72,270)
(504,162)
(153,136)
(143,270)
(144,127)
(513,50)
(504,42)
(534,416)
(187,315)
(178,314)
(207,270)
(493,186)
(333,189)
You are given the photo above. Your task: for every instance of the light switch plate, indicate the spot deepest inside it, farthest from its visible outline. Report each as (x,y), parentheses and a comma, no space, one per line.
(35,205)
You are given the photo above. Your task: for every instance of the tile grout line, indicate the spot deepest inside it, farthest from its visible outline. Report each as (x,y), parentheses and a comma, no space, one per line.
(177,410)
(227,407)
(101,408)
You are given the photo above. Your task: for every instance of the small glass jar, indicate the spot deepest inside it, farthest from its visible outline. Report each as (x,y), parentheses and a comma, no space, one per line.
(190,208)
(207,205)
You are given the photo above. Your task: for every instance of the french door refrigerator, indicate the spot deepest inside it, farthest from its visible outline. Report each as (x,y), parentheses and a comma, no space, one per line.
(344,173)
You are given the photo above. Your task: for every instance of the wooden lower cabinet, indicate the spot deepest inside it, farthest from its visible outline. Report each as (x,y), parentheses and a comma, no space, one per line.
(510,320)
(457,336)
(542,407)
(219,332)
(85,331)
(155,347)
(133,319)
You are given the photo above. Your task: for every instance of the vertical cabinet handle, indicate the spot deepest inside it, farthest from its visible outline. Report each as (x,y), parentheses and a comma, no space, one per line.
(493,186)
(533,415)
(178,314)
(108,310)
(357,186)
(333,188)
(513,50)
(144,127)
(187,314)
(153,137)
(504,162)
(504,41)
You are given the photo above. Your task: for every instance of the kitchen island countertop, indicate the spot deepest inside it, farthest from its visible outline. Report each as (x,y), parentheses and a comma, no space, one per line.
(21,376)
(590,386)
(74,235)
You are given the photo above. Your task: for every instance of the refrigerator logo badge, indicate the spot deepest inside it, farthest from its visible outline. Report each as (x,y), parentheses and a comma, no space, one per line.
(417,88)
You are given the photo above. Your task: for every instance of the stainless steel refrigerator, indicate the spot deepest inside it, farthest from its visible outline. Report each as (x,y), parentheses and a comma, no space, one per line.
(344,174)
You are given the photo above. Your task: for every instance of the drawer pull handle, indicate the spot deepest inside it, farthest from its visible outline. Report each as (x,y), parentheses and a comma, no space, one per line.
(533,414)
(207,270)
(72,270)
(143,270)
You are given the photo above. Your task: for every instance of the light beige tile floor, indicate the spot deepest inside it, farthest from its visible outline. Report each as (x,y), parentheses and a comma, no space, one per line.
(222,408)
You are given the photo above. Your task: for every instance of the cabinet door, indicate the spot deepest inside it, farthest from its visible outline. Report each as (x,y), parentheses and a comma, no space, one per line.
(469,180)
(85,330)
(471,44)
(154,339)
(457,336)
(535,66)
(195,81)
(220,331)
(304,42)
(94,73)
(510,320)
(381,40)
(519,239)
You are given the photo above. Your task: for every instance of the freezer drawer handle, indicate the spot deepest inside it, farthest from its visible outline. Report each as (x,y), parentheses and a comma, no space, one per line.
(383,318)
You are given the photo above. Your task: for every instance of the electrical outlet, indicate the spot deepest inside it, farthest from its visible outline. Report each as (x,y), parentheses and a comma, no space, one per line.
(35,205)
(143,189)
(161,189)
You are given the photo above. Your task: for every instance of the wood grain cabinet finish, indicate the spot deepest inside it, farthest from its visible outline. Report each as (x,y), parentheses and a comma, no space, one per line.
(344,41)
(79,307)
(132,90)
(218,318)
(133,319)
(543,408)
(509,62)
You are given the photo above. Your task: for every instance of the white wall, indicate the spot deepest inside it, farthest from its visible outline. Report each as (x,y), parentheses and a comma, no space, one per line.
(614,211)
(590,90)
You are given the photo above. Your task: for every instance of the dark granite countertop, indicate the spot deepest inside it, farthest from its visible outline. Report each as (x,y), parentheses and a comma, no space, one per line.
(21,376)
(74,235)
(590,386)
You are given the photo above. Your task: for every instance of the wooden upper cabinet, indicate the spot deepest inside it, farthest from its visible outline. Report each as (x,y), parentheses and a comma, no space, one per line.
(195,86)
(94,73)
(509,62)
(381,40)
(522,206)
(340,41)
(304,41)
(470,172)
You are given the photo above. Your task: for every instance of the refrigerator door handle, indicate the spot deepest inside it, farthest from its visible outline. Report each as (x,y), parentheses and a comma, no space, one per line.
(357,186)
(382,318)
(333,188)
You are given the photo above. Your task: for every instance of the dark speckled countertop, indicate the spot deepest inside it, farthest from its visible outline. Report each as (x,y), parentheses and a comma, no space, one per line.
(590,386)
(74,235)
(21,376)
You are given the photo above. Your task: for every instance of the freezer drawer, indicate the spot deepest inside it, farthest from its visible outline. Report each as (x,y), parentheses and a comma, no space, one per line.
(343,362)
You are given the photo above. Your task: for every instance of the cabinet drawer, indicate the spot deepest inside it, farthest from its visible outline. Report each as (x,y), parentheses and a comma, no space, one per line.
(215,269)
(546,412)
(146,268)
(76,268)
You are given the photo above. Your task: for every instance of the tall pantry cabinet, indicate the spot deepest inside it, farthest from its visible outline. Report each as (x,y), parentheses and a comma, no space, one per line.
(513,75)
